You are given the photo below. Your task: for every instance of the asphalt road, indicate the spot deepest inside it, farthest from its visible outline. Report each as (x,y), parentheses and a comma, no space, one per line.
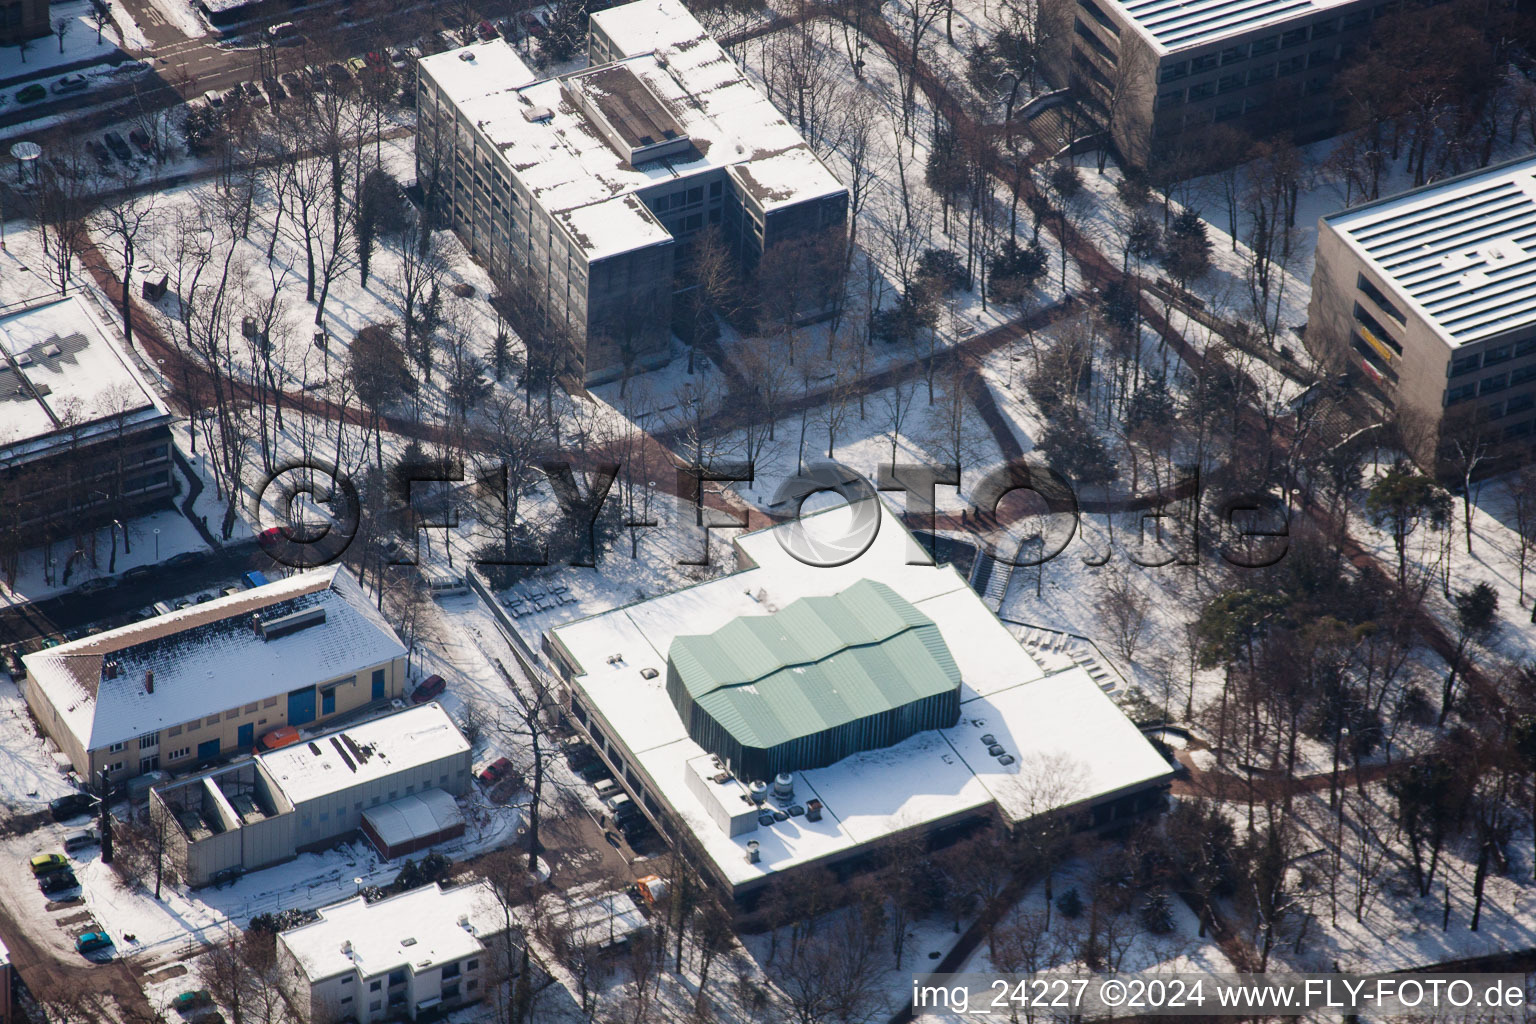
(28,624)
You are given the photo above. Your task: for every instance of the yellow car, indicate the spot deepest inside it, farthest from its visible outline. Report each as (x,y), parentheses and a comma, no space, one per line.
(46,862)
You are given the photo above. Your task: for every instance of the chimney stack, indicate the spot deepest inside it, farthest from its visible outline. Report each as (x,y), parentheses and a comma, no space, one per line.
(149,680)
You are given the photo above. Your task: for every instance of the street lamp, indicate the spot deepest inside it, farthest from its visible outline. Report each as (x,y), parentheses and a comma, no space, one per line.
(157,544)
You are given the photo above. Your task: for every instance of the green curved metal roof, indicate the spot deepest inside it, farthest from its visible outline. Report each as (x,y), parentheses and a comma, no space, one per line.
(819,663)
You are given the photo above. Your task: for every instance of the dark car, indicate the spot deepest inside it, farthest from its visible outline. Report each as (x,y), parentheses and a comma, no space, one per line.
(292,82)
(336,74)
(99,151)
(275,90)
(118,147)
(95,586)
(139,139)
(593,771)
(31,93)
(430,687)
(183,559)
(55,883)
(137,573)
(532,25)
(71,806)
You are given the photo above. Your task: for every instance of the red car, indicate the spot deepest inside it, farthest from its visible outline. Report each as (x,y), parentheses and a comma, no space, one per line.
(270,537)
(532,25)
(487,31)
(495,771)
(430,687)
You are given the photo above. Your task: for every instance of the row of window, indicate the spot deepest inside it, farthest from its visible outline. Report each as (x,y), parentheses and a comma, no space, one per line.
(1259,47)
(1242,79)
(1492,356)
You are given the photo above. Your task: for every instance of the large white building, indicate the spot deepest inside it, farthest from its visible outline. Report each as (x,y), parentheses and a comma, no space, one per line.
(1027,739)
(586,188)
(421,952)
(1428,299)
(194,685)
(263,810)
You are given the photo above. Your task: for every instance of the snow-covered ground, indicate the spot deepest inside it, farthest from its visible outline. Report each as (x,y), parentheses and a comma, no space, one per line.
(79,43)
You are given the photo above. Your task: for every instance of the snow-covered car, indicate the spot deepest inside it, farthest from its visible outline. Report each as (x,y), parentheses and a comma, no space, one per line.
(71,83)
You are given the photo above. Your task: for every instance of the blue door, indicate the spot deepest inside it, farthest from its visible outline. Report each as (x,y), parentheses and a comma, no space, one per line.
(246,737)
(378,684)
(328,701)
(301,706)
(208,751)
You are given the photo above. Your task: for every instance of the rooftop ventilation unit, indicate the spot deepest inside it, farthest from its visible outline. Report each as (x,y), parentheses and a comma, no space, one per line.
(536,115)
(466,55)
(407,942)
(50,350)
(753,854)
(23,359)
(283,625)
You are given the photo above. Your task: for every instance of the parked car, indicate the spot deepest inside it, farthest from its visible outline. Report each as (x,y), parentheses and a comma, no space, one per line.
(139,139)
(272,536)
(213,98)
(283,30)
(594,771)
(31,93)
(118,146)
(81,839)
(293,83)
(95,586)
(446,40)
(91,941)
(56,883)
(280,737)
(495,771)
(486,31)
(357,65)
(183,559)
(46,862)
(532,25)
(104,158)
(617,801)
(606,788)
(430,687)
(71,83)
(203,599)
(137,573)
(191,1000)
(253,94)
(337,74)
(71,806)
(181,603)
(275,91)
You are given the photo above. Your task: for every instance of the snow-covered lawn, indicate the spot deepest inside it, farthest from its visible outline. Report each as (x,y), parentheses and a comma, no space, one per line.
(79,44)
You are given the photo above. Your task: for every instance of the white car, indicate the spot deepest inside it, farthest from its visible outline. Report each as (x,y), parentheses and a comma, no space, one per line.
(71,83)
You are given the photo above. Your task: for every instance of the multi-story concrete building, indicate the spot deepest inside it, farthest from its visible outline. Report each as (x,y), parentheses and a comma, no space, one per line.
(83,437)
(1428,299)
(23,19)
(196,684)
(263,810)
(417,954)
(584,191)
(1160,73)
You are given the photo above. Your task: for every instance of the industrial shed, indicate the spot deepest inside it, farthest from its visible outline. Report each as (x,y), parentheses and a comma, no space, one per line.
(818,681)
(413,823)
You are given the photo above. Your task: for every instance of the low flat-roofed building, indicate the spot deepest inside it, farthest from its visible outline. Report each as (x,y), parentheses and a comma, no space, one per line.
(1017,726)
(258,812)
(195,684)
(1428,300)
(584,190)
(419,953)
(6,1009)
(415,822)
(84,438)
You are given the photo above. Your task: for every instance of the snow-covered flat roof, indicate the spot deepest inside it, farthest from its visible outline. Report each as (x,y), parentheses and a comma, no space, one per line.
(673,67)
(421,928)
(359,753)
(63,379)
(208,658)
(1175,24)
(480,74)
(1461,252)
(1046,722)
